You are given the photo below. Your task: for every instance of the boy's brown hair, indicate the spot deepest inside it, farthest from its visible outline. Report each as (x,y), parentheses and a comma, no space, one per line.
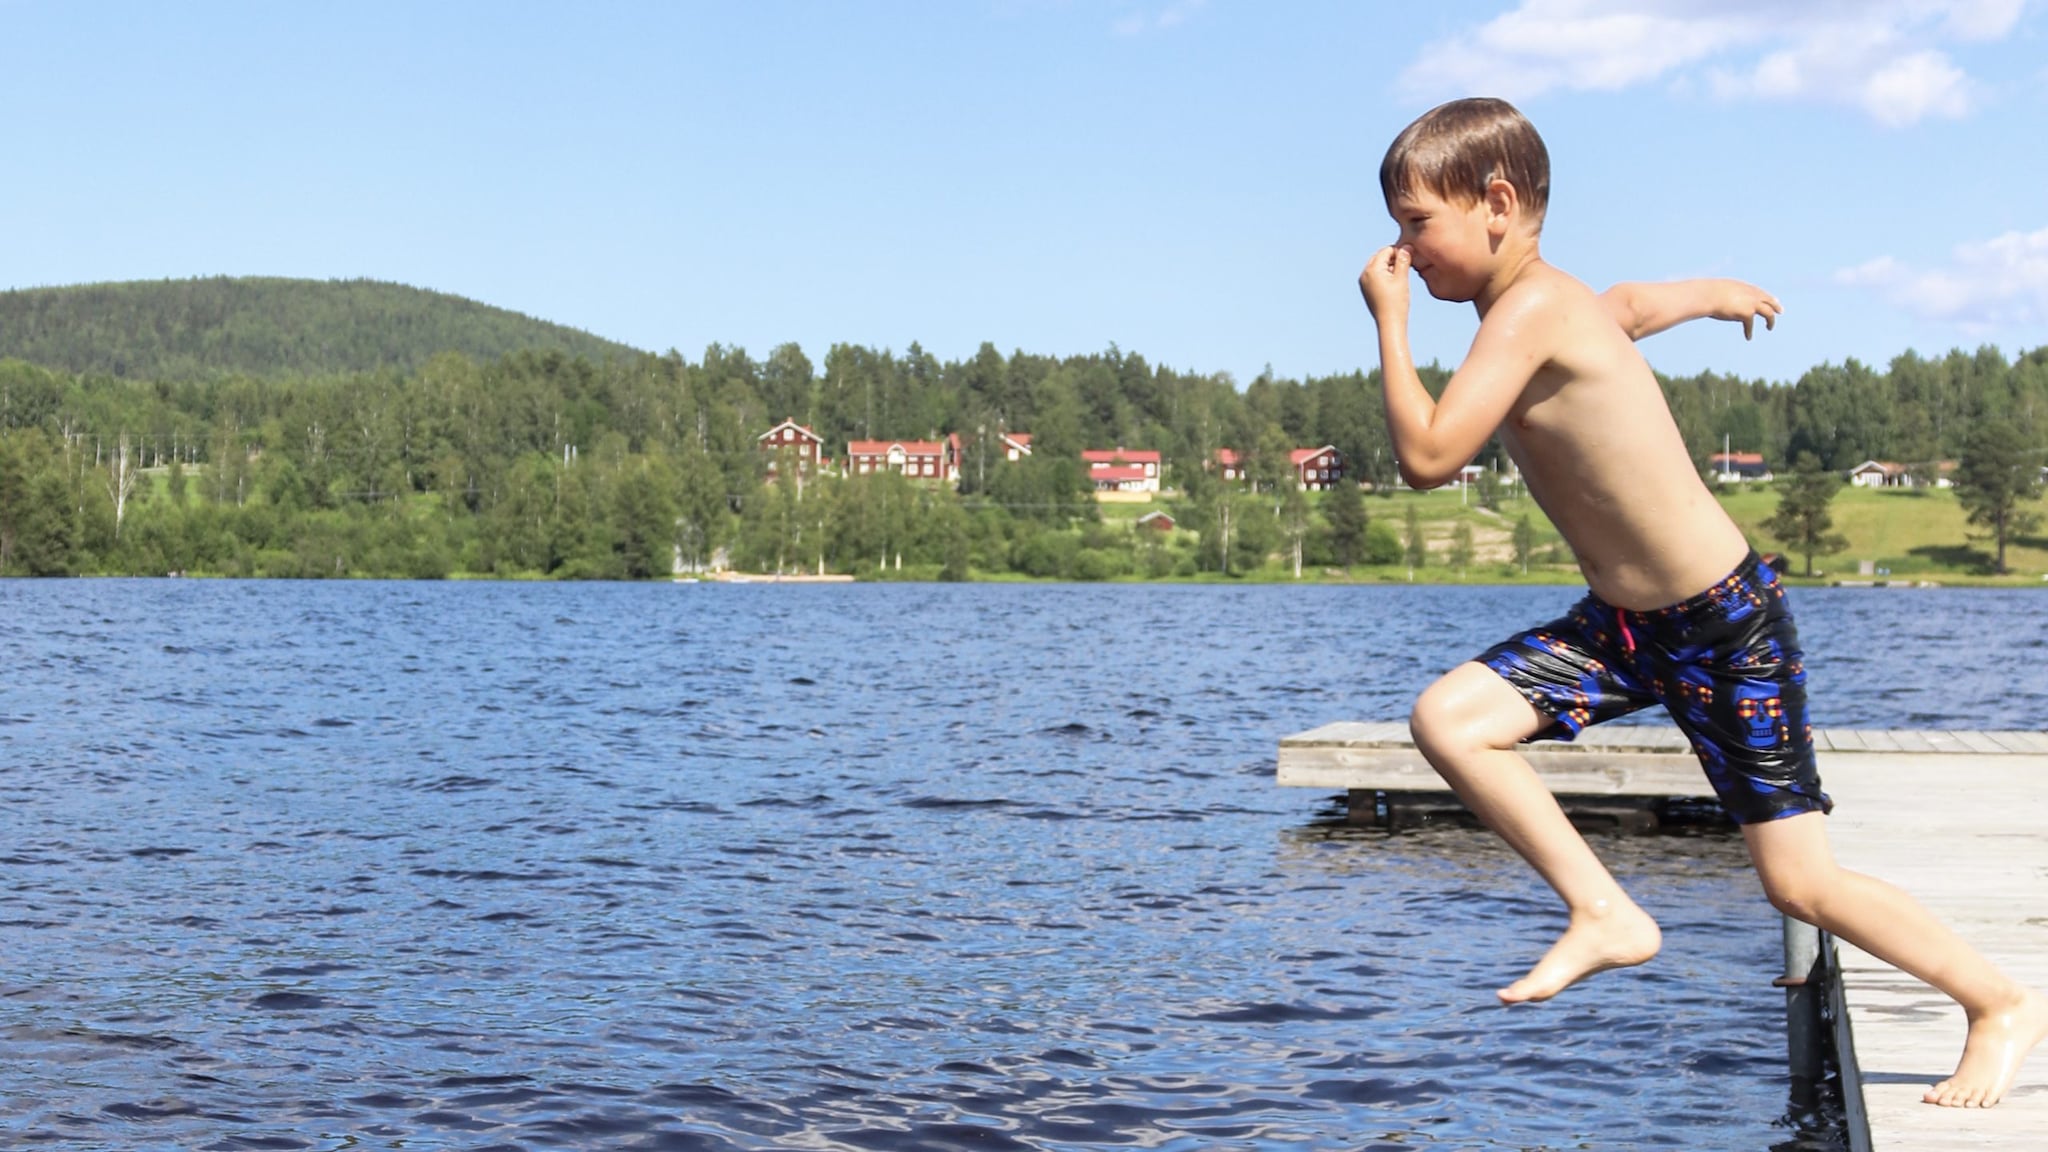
(1455,150)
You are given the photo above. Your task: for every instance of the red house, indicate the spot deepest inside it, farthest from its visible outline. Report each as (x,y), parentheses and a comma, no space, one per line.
(1122,469)
(1016,445)
(921,459)
(1317,468)
(1230,463)
(789,436)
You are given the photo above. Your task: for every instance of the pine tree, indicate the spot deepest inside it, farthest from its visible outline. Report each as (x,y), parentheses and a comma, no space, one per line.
(1802,520)
(1995,477)
(1344,509)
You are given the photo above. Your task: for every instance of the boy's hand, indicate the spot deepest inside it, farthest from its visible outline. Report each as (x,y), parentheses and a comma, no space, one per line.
(1743,303)
(1384,283)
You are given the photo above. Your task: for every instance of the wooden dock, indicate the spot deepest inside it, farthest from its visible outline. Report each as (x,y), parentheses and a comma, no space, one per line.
(1957,818)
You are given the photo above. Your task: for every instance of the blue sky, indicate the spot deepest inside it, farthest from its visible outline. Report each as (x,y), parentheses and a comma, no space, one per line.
(1194,181)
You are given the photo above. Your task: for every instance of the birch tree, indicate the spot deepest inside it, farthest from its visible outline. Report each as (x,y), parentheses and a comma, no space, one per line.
(120,481)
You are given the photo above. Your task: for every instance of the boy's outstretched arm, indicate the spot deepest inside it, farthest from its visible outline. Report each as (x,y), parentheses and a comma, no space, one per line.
(1647,309)
(1433,438)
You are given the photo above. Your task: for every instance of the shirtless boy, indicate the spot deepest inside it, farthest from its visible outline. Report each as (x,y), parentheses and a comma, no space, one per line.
(1679,612)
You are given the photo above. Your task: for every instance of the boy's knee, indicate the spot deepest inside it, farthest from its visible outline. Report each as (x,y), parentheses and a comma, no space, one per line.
(1436,718)
(1798,896)
(1468,708)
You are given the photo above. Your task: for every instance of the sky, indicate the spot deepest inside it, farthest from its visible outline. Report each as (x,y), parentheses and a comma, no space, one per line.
(1191,180)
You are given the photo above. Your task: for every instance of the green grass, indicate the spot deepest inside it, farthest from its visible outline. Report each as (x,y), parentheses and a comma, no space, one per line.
(1917,533)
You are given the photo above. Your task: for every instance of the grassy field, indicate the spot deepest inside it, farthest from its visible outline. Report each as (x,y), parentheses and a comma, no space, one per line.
(1914,534)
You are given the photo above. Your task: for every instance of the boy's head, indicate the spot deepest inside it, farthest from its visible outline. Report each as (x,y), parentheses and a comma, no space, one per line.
(1456,151)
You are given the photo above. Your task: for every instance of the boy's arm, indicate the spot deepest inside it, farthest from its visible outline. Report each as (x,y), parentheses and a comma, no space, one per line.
(1647,309)
(1434,438)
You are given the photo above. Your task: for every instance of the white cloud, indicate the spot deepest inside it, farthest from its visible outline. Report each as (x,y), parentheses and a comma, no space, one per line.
(1157,17)
(1993,282)
(1878,55)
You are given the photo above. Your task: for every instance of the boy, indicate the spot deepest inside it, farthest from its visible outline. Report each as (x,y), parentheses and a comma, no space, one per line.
(1679,611)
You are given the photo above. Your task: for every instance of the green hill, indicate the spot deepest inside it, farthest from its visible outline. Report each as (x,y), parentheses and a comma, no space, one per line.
(264,326)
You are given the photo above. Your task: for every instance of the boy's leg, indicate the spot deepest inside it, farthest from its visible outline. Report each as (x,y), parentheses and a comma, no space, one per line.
(1467,724)
(2006,1019)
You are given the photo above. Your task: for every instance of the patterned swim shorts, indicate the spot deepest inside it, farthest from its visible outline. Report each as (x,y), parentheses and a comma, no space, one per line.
(1726,664)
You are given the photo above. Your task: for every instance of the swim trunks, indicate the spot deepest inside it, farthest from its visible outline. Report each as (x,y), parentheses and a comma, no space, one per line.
(1726,664)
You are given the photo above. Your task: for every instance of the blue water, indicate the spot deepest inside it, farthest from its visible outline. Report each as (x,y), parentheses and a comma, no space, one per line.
(347,865)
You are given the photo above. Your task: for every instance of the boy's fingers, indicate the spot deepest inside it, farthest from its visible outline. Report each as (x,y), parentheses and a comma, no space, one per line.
(1388,261)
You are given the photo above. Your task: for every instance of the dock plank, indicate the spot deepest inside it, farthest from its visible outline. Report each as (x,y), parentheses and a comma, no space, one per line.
(1945,741)
(1609,761)
(2022,741)
(1840,740)
(1912,740)
(1975,852)
(1980,742)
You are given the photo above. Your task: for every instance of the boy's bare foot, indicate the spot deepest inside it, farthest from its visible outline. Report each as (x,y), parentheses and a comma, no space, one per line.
(1612,934)
(1998,1044)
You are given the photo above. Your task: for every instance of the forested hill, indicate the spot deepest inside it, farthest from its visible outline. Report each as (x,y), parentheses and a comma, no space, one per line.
(265,326)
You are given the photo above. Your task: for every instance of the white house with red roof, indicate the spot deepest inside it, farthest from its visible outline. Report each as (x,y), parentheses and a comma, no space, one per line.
(1122,469)
(1317,468)
(1016,446)
(798,440)
(1739,466)
(919,459)
(1888,474)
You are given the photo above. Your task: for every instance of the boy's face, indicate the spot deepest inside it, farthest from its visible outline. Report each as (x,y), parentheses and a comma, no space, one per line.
(1449,243)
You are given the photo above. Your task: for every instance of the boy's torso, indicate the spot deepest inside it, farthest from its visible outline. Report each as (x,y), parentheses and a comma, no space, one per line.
(1602,456)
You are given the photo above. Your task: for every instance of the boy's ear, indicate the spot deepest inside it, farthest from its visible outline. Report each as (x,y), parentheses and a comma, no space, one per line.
(1503,205)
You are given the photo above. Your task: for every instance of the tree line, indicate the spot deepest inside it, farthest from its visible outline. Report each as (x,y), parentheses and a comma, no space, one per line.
(263,326)
(543,463)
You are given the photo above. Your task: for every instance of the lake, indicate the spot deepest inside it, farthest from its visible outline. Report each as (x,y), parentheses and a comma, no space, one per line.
(325,865)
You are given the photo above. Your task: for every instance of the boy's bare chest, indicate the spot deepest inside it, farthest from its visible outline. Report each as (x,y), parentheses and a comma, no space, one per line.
(1549,409)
